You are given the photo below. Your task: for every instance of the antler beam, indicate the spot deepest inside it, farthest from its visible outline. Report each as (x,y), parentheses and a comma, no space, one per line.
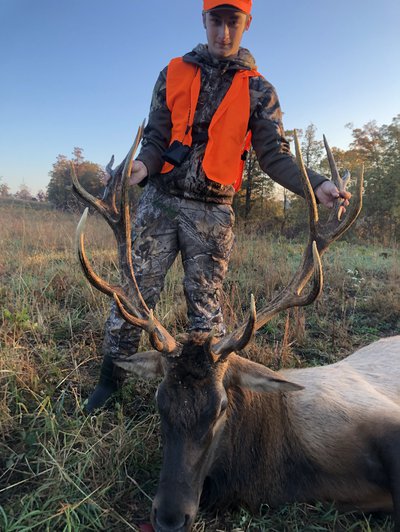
(320,237)
(114,207)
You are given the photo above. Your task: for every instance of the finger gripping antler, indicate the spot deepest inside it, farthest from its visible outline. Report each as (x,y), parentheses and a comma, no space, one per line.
(338,224)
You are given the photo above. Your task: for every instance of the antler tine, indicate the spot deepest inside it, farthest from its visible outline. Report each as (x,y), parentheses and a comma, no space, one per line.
(92,277)
(110,165)
(124,207)
(122,228)
(289,297)
(90,274)
(97,203)
(305,271)
(114,183)
(335,229)
(309,195)
(237,340)
(107,205)
(340,182)
(160,338)
(131,154)
(112,186)
(332,165)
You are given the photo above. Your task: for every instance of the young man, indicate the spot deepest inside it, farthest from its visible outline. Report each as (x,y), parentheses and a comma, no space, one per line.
(203,106)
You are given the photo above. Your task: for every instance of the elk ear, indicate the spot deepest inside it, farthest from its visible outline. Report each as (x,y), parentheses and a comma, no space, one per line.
(147,365)
(258,378)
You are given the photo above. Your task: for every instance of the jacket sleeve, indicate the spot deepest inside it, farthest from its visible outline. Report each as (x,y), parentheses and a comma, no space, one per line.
(157,133)
(271,147)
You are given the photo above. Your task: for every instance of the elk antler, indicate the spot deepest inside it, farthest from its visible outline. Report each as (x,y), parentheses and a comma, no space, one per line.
(114,207)
(320,237)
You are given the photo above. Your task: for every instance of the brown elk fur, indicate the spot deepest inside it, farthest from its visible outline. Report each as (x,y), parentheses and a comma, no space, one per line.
(338,439)
(321,443)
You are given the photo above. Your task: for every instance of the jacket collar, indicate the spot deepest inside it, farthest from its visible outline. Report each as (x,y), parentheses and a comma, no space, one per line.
(200,56)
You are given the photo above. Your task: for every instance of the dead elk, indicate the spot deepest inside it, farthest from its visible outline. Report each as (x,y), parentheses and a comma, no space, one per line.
(235,432)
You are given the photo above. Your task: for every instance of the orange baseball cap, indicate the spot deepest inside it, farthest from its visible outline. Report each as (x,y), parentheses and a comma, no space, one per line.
(241,5)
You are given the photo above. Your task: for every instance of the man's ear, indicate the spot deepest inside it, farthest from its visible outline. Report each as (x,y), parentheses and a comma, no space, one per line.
(248,22)
(204,20)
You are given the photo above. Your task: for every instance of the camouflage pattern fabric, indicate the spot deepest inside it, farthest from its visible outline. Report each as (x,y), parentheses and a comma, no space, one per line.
(166,225)
(183,211)
(268,137)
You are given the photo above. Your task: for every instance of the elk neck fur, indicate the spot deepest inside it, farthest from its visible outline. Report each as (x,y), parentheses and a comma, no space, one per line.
(320,443)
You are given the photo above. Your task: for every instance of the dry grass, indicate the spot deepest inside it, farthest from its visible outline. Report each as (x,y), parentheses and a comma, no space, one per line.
(61,470)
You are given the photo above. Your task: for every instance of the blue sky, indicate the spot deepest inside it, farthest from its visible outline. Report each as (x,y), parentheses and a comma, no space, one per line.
(81,72)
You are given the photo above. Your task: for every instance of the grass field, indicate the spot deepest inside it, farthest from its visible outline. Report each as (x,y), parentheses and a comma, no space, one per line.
(61,470)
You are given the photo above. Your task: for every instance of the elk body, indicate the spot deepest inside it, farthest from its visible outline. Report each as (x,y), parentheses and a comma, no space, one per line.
(235,432)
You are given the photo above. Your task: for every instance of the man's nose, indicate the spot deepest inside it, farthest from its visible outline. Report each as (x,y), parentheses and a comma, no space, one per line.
(224,32)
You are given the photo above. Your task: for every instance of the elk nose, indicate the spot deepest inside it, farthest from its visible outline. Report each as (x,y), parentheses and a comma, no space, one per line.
(168,521)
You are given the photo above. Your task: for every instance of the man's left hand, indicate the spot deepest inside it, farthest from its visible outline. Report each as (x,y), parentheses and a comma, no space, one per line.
(327,193)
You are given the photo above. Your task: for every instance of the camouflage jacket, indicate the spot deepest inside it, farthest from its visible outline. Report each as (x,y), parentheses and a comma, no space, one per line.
(272,149)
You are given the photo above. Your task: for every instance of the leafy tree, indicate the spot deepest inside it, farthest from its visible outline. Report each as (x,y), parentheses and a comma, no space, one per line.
(311,148)
(23,193)
(59,189)
(368,142)
(254,182)
(289,134)
(41,196)
(4,190)
(375,146)
(289,200)
(256,190)
(350,159)
(389,182)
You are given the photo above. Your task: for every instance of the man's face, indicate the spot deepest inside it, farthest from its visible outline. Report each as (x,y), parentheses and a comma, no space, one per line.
(224,29)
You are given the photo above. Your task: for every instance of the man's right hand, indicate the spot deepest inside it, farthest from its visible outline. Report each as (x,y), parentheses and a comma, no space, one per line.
(139,172)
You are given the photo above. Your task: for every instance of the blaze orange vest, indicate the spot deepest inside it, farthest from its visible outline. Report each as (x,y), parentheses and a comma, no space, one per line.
(228,135)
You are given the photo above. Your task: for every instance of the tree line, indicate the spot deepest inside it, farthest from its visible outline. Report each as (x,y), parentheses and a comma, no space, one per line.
(59,189)
(263,203)
(374,148)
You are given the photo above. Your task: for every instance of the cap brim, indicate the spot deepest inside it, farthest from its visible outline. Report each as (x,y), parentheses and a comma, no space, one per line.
(225,7)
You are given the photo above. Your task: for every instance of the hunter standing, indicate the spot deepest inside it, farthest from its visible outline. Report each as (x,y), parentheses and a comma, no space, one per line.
(206,108)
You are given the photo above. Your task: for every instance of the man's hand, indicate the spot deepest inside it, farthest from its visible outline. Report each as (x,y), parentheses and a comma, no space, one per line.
(139,172)
(327,193)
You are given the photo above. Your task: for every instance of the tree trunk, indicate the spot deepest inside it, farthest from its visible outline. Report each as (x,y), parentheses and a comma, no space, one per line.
(249,183)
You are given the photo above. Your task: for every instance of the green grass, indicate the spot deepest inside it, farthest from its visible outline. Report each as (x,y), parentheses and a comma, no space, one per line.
(61,470)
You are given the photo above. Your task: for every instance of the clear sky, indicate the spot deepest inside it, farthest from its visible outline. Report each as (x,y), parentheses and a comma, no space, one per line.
(81,72)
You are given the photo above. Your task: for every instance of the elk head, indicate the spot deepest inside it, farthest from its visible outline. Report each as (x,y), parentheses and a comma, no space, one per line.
(203,377)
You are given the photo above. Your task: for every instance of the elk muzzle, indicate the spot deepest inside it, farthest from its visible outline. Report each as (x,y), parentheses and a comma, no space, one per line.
(174,507)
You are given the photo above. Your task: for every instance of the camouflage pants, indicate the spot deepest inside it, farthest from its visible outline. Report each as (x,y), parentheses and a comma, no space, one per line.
(166,225)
